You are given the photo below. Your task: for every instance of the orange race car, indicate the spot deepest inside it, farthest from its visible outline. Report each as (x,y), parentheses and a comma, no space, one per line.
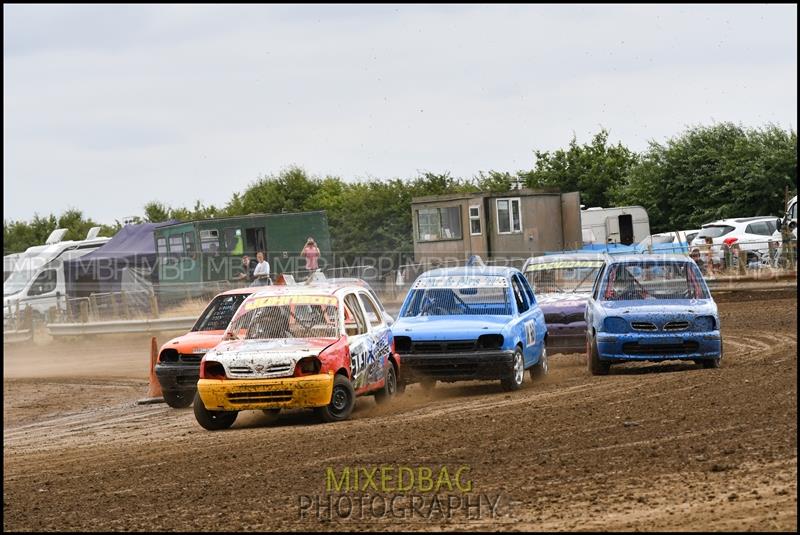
(178,366)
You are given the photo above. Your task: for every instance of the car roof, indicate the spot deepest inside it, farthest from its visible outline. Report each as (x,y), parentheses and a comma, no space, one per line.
(315,289)
(497,271)
(621,259)
(547,259)
(740,220)
(247,290)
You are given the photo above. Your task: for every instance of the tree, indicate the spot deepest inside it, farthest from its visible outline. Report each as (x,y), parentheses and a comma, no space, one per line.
(596,169)
(713,172)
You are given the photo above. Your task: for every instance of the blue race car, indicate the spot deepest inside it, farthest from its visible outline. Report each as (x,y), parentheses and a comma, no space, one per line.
(466,323)
(651,308)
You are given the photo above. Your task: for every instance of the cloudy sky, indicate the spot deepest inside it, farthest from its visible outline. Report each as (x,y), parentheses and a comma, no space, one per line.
(109,107)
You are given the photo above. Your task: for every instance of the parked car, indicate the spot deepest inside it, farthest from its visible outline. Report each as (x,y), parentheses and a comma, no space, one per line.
(789,219)
(178,365)
(315,346)
(651,308)
(751,233)
(562,285)
(469,323)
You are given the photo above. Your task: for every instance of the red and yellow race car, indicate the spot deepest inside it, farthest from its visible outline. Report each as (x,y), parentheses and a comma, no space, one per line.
(299,347)
(178,366)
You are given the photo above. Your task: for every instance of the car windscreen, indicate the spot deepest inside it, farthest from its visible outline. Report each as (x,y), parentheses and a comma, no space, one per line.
(219,312)
(564,276)
(652,281)
(17,281)
(286,317)
(458,295)
(714,231)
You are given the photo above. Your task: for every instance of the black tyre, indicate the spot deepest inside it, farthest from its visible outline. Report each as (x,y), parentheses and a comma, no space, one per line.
(596,366)
(516,375)
(343,399)
(212,420)
(541,368)
(178,399)
(389,389)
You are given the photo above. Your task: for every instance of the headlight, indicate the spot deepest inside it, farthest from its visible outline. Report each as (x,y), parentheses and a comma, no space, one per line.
(704,323)
(615,325)
(307,366)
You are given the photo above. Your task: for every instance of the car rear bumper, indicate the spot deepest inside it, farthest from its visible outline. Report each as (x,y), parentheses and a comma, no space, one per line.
(254,394)
(657,347)
(178,376)
(481,365)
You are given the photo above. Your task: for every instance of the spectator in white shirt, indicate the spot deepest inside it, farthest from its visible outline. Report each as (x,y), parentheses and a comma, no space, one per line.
(261,273)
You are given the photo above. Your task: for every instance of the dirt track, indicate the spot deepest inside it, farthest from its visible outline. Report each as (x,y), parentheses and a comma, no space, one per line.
(650,447)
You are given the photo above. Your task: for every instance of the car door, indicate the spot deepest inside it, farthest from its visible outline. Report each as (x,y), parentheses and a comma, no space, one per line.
(358,340)
(531,326)
(380,339)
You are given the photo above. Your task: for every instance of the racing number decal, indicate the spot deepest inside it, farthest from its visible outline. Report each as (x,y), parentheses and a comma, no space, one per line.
(530,332)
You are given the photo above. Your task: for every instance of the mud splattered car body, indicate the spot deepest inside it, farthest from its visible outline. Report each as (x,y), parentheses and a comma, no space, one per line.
(563,284)
(298,347)
(471,323)
(178,366)
(651,308)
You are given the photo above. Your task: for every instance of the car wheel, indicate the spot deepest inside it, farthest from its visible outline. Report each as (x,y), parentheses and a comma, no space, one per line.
(178,399)
(596,366)
(541,368)
(343,399)
(389,387)
(516,375)
(212,420)
(710,363)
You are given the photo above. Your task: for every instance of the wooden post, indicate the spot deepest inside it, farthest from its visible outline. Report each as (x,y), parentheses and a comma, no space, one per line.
(153,305)
(114,306)
(84,307)
(52,314)
(16,314)
(28,320)
(742,260)
(93,306)
(125,308)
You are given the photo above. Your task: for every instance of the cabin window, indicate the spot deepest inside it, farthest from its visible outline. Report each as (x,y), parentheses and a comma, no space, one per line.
(439,223)
(475,220)
(188,238)
(161,245)
(234,243)
(176,243)
(509,218)
(254,239)
(209,241)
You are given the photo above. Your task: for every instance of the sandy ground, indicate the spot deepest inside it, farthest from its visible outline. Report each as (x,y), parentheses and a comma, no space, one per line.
(649,447)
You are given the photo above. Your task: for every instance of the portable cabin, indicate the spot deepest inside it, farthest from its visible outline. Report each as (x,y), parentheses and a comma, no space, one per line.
(212,249)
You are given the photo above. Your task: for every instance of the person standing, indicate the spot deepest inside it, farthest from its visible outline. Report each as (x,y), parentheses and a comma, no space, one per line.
(247,269)
(311,253)
(261,272)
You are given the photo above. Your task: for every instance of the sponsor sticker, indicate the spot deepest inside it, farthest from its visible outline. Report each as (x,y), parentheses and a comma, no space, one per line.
(282,300)
(565,264)
(530,332)
(461,281)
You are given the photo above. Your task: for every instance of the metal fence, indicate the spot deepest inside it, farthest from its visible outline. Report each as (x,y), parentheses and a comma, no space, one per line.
(389,275)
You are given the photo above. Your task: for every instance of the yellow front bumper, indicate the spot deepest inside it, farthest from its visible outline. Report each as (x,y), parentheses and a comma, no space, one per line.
(254,394)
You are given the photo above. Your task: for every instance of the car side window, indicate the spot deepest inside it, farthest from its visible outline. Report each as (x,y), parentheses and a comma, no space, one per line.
(519,295)
(528,290)
(354,322)
(373,315)
(597,281)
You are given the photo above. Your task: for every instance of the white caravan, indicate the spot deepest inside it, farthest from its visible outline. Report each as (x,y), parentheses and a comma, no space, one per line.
(625,225)
(38,276)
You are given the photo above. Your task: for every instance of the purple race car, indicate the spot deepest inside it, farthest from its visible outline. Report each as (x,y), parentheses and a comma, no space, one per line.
(562,284)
